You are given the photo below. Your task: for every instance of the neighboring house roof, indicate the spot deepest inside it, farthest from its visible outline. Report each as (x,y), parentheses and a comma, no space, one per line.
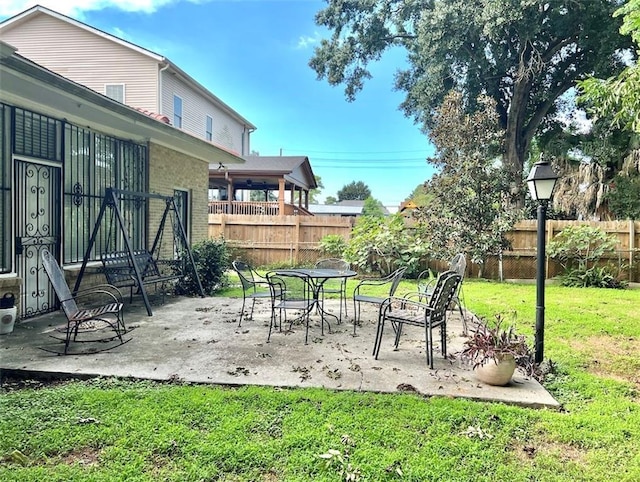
(16,20)
(351,207)
(34,87)
(335,210)
(263,172)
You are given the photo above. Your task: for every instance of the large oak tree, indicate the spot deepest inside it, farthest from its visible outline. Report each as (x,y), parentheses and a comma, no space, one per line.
(523,53)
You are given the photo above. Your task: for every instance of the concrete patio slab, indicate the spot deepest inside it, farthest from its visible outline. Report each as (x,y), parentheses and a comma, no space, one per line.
(198,340)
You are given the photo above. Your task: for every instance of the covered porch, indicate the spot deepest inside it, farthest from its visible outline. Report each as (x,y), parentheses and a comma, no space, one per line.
(263,185)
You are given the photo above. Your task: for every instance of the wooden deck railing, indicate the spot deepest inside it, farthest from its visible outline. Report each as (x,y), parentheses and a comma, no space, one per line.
(256,208)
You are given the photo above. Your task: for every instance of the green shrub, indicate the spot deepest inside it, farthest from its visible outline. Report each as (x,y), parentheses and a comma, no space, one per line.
(578,246)
(579,249)
(596,276)
(333,246)
(212,261)
(384,244)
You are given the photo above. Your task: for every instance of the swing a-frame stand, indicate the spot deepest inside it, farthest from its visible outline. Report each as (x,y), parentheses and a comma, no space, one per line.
(138,267)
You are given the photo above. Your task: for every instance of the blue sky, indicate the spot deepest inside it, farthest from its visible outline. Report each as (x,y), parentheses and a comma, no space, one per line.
(254,54)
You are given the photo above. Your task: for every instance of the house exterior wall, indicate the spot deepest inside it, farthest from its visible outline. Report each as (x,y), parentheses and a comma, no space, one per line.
(86,58)
(170,170)
(227,131)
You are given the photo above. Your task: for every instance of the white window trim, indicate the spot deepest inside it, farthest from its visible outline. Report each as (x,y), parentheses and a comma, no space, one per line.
(208,134)
(181,116)
(124,91)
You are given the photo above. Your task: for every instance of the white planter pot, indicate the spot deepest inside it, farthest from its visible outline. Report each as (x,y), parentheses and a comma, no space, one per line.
(7,319)
(499,373)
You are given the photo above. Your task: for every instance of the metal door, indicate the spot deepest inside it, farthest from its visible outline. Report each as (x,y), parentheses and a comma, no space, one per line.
(37,218)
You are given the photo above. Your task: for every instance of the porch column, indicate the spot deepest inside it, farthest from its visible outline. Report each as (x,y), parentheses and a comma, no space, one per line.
(230,194)
(281,196)
(306,199)
(300,197)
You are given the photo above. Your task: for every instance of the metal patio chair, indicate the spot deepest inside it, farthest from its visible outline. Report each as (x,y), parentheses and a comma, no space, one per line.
(362,292)
(291,291)
(400,311)
(254,286)
(426,285)
(334,286)
(86,324)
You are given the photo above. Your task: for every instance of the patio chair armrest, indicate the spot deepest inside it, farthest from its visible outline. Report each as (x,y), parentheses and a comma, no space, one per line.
(426,287)
(402,303)
(369,282)
(109,291)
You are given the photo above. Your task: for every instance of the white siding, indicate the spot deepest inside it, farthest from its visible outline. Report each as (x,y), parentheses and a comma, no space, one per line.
(86,58)
(227,132)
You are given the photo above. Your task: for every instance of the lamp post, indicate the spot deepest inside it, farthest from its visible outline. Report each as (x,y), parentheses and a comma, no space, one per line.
(541,182)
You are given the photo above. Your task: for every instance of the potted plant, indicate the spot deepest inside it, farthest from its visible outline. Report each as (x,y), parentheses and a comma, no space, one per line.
(496,351)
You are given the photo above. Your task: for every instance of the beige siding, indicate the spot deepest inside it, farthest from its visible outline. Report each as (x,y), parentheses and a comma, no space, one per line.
(86,58)
(227,132)
(170,170)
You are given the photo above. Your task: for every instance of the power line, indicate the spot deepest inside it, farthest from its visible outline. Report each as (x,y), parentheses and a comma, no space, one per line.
(356,161)
(354,152)
(346,166)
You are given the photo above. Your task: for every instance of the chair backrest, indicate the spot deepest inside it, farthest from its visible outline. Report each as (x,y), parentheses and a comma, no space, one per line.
(396,277)
(332,263)
(444,291)
(290,286)
(59,283)
(458,264)
(245,273)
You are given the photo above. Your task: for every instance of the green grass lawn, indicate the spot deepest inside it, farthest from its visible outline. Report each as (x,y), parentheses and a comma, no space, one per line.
(116,430)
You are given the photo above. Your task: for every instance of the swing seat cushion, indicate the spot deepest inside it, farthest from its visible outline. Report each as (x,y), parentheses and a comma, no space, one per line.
(120,272)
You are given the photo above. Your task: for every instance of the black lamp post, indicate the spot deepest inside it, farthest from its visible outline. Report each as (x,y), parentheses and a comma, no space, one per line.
(541,182)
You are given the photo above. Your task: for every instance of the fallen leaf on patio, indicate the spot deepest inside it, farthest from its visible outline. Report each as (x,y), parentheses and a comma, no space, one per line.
(305,373)
(334,374)
(405,387)
(239,371)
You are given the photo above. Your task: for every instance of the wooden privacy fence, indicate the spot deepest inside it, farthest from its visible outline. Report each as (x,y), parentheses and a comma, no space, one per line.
(294,240)
(520,261)
(272,240)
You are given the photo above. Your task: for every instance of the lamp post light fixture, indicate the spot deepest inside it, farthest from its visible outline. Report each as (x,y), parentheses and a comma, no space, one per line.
(541,181)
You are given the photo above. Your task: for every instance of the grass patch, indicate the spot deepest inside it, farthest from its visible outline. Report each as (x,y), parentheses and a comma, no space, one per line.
(108,429)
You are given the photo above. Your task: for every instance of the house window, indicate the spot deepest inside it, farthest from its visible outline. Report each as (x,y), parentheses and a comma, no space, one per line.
(209,129)
(115,92)
(181,199)
(177,111)
(94,162)
(36,135)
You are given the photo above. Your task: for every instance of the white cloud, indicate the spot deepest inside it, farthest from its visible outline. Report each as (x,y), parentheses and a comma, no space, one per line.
(75,8)
(306,41)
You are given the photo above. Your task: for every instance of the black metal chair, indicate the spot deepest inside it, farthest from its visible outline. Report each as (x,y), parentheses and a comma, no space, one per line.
(400,311)
(86,324)
(334,286)
(426,285)
(362,292)
(254,286)
(291,291)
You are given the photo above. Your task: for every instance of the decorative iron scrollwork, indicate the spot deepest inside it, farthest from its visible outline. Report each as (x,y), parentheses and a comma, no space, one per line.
(77,194)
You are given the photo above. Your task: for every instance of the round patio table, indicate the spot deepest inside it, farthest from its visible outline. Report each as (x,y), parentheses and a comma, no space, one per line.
(317,277)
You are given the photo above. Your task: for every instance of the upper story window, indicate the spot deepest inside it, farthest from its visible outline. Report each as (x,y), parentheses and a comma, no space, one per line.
(209,129)
(177,111)
(115,92)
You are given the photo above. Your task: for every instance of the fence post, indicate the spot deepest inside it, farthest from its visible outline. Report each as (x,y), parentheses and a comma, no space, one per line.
(296,240)
(632,246)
